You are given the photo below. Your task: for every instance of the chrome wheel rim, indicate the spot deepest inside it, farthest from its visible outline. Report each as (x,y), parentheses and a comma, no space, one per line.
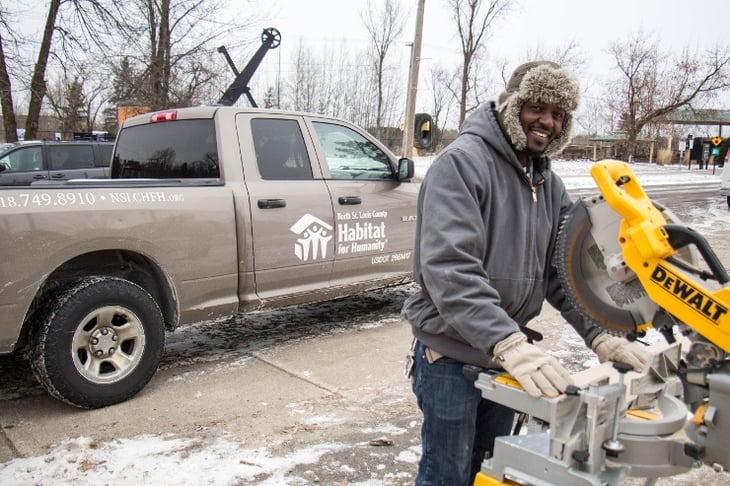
(108,344)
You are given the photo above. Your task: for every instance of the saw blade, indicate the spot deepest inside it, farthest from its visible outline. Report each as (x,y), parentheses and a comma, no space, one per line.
(593,273)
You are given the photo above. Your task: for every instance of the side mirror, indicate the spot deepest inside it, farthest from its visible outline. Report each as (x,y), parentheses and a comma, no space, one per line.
(405,169)
(4,166)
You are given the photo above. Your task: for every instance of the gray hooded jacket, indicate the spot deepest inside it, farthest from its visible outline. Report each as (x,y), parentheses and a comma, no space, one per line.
(485,237)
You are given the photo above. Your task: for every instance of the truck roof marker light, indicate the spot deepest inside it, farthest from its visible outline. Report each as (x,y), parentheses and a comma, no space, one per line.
(163,116)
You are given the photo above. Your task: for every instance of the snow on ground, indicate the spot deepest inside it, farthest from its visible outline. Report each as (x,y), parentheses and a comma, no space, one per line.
(157,460)
(576,173)
(173,460)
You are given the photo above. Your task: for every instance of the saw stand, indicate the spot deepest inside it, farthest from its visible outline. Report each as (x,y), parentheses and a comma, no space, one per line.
(611,425)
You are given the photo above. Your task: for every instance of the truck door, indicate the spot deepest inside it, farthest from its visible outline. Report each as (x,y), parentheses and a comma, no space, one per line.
(374,213)
(72,161)
(291,210)
(22,166)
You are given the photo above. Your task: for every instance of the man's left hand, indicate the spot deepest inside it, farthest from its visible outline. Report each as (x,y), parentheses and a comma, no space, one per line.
(614,348)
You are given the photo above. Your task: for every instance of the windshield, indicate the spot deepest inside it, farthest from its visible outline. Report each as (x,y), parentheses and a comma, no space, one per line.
(4,147)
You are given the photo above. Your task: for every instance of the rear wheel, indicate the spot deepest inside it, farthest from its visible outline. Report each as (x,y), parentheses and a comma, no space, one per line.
(98,343)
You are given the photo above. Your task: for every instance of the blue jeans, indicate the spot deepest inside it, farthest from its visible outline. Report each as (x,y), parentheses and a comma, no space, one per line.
(459,426)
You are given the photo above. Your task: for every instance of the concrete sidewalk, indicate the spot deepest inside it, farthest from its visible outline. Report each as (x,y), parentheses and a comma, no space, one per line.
(347,377)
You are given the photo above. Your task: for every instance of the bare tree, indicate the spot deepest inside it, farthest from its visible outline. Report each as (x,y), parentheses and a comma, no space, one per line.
(329,91)
(71,42)
(68,102)
(6,95)
(170,45)
(384,26)
(304,85)
(358,97)
(473,19)
(651,84)
(569,55)
(77,99)
(270,98)
(38,81)
(330,83)
(592,115)
(443,96)
(164,48)
(90,16)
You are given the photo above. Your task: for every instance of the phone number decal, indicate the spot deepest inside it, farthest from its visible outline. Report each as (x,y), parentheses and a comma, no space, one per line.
(83,198)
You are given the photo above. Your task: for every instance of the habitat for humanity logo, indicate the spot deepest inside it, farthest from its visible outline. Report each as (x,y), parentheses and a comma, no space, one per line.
(314,236)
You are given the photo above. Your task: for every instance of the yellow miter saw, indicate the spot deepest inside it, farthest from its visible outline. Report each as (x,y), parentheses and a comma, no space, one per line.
(628,265)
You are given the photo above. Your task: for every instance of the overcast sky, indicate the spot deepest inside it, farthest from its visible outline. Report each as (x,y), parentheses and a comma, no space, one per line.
(531,24)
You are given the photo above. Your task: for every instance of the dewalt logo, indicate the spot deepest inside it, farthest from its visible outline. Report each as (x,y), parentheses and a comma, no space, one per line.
(686,292)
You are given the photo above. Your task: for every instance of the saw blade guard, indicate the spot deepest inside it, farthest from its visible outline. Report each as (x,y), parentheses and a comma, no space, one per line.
(594,274)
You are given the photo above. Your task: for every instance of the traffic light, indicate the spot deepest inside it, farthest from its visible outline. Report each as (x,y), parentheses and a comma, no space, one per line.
(423,133)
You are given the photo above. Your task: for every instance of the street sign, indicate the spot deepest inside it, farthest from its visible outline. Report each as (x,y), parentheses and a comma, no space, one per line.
(715,151)
(716,141)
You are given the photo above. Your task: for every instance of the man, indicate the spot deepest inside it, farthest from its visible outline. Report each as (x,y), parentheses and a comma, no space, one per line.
(488,216)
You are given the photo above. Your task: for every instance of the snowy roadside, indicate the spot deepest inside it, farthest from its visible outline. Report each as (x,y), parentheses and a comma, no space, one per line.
(576,173)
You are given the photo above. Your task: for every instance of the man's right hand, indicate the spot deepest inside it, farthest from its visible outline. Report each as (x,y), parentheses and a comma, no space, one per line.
(538,372)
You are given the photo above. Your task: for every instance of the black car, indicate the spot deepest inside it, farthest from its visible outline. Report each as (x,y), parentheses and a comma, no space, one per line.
(22,163)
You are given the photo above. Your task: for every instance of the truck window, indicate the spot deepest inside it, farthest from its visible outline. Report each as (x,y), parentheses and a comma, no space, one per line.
(25,159)
(350,155)
(65,157)
(105,157)
(181,149)
(280,149)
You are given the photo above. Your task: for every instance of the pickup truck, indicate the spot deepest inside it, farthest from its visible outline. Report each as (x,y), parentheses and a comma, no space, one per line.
(208,212)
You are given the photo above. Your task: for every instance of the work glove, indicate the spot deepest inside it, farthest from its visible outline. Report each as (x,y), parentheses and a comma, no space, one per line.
(538,372)
(614,348)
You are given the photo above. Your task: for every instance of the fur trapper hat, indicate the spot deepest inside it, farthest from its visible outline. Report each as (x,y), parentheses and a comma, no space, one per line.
(544,82)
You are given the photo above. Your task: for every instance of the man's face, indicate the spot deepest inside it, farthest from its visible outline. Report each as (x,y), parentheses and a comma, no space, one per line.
(542,123)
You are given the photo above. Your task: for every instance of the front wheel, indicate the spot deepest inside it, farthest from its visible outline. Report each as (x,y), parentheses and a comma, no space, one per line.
(99,342)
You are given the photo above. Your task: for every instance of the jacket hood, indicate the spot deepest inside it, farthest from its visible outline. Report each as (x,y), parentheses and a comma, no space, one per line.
(544,82)
(483,123)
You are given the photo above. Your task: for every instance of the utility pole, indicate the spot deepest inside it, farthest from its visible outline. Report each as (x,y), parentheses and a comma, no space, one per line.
(408,127)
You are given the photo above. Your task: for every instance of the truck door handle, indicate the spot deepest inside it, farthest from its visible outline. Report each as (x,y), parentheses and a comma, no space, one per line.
(349,200)
(271,203)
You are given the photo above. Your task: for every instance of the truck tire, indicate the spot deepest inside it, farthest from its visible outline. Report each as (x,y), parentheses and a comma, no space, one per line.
(99,342)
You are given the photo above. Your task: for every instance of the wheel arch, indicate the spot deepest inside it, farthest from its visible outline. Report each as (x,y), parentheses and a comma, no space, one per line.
(128,265)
